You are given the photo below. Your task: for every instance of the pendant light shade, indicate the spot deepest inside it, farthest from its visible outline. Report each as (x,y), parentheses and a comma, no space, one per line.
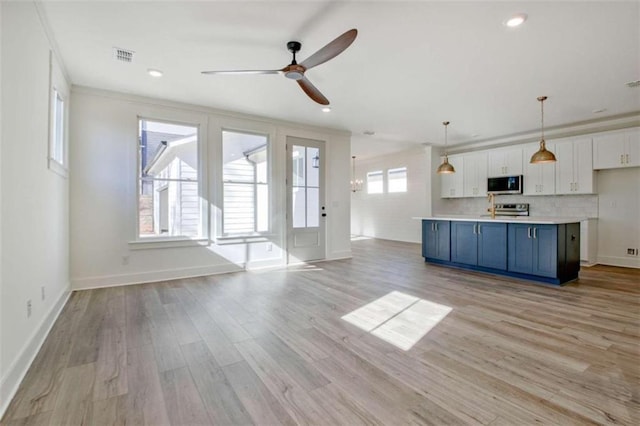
(542,156)
(445,167)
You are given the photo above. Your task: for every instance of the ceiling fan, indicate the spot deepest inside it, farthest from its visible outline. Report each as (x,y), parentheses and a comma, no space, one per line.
(295,70)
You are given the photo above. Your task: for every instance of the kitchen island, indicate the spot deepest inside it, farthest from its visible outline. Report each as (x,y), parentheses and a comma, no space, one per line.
(544,249)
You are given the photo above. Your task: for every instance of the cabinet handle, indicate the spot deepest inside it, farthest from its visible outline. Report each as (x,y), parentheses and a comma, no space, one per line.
(529,232)
(436,226)
(475,229)
(479,227)
(535,233)
(576,186)
(621,158)
(627,155)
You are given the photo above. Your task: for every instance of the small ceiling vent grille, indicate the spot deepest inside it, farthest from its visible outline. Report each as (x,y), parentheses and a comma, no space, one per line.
(123,55)
(633,83)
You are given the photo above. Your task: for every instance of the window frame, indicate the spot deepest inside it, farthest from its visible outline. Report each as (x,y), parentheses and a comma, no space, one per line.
(228,237)
(163,241)
(406,180)
(55,163)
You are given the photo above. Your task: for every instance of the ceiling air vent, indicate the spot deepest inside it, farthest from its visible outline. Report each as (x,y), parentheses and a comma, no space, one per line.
(123,55)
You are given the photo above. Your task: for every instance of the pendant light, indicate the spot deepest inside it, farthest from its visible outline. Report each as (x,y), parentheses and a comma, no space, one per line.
(356,184)
(542,156)
(445,167)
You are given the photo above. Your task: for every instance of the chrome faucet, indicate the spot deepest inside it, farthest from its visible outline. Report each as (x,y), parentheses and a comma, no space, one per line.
(492,209)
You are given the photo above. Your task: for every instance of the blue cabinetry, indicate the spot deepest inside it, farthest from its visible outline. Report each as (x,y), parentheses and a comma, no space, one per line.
(479,243)
(547,253)
(436,240)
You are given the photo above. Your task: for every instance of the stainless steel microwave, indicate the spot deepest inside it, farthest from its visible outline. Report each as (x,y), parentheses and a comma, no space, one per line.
(505,185)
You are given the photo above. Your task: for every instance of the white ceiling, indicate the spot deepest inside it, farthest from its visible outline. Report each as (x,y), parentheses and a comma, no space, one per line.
(413,65)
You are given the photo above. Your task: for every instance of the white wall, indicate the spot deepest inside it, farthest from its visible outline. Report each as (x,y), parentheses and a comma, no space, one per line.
(34,217)
(619,216)
(388,215)
(103,192)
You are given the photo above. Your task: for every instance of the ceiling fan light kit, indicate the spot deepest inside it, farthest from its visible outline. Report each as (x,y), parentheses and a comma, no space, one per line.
(445,168)
(295,71)
(542,155)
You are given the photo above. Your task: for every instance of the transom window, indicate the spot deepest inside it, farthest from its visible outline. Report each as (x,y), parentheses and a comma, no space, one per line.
(245,173)
(169,203)
(375,182)
(397,179)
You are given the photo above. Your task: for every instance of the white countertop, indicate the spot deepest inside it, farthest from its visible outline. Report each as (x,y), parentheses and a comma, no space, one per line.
(542,220)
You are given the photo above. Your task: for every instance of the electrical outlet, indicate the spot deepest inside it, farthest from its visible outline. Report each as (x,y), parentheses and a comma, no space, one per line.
(28,308)
(42,293)
(631,251)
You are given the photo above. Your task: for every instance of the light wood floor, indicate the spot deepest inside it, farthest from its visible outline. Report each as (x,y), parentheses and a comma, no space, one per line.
(271,348)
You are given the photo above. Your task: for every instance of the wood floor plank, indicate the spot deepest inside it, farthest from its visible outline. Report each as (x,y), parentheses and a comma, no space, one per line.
(220,400)
(271,347)
(74,395)
(256,398)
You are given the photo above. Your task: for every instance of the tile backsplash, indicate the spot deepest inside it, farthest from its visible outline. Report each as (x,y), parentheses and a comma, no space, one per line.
(552,205)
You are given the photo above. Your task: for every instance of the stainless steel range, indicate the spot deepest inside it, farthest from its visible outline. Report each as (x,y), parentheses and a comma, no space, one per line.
(512,209)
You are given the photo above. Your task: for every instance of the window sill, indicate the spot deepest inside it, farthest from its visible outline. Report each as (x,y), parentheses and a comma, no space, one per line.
(155,243)
(58,168)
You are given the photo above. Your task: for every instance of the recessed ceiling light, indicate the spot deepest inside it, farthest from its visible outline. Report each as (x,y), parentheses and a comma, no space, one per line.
(154,73)
(326,109)
(516,20)
(598,110)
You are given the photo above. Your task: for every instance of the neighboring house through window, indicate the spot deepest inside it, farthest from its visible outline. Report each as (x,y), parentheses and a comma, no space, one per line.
(169,202)
(245,174)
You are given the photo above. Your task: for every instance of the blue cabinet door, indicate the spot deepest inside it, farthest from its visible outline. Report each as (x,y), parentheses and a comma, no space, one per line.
(464,243)
(492,245)
(545,250)
(520,248)
(435,239)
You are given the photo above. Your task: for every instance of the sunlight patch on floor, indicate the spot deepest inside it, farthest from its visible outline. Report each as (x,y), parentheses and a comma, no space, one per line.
(398,318)
(359,238)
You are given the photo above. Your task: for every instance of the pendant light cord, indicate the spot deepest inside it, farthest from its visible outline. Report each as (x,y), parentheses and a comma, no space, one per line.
(542,118)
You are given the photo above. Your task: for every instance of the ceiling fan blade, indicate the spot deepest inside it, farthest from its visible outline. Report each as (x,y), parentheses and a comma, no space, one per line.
(238,72)
(312,91)
(331,50)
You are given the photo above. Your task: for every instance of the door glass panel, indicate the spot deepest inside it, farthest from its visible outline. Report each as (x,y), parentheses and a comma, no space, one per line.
(298,161)
(313,207)
(299,204)
(313,167)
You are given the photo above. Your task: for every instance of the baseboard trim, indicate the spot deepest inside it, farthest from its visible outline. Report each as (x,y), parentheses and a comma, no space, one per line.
(625,262)
(149,277)
(10,383)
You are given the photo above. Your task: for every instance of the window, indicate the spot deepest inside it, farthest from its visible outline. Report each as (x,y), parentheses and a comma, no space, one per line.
(374,182)
(397,179)
(57,152)
(169,202)
(245,186)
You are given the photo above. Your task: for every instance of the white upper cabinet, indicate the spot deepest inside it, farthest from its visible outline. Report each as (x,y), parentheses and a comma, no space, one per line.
(574,168)
(475,174)
(504,162)
(539,179)
(617,149)
(452,185)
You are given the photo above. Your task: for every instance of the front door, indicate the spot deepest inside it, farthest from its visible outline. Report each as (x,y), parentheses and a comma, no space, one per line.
(305,200)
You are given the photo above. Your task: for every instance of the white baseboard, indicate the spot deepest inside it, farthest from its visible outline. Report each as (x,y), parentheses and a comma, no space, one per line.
(155,276)
(15,373)
(626,262)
